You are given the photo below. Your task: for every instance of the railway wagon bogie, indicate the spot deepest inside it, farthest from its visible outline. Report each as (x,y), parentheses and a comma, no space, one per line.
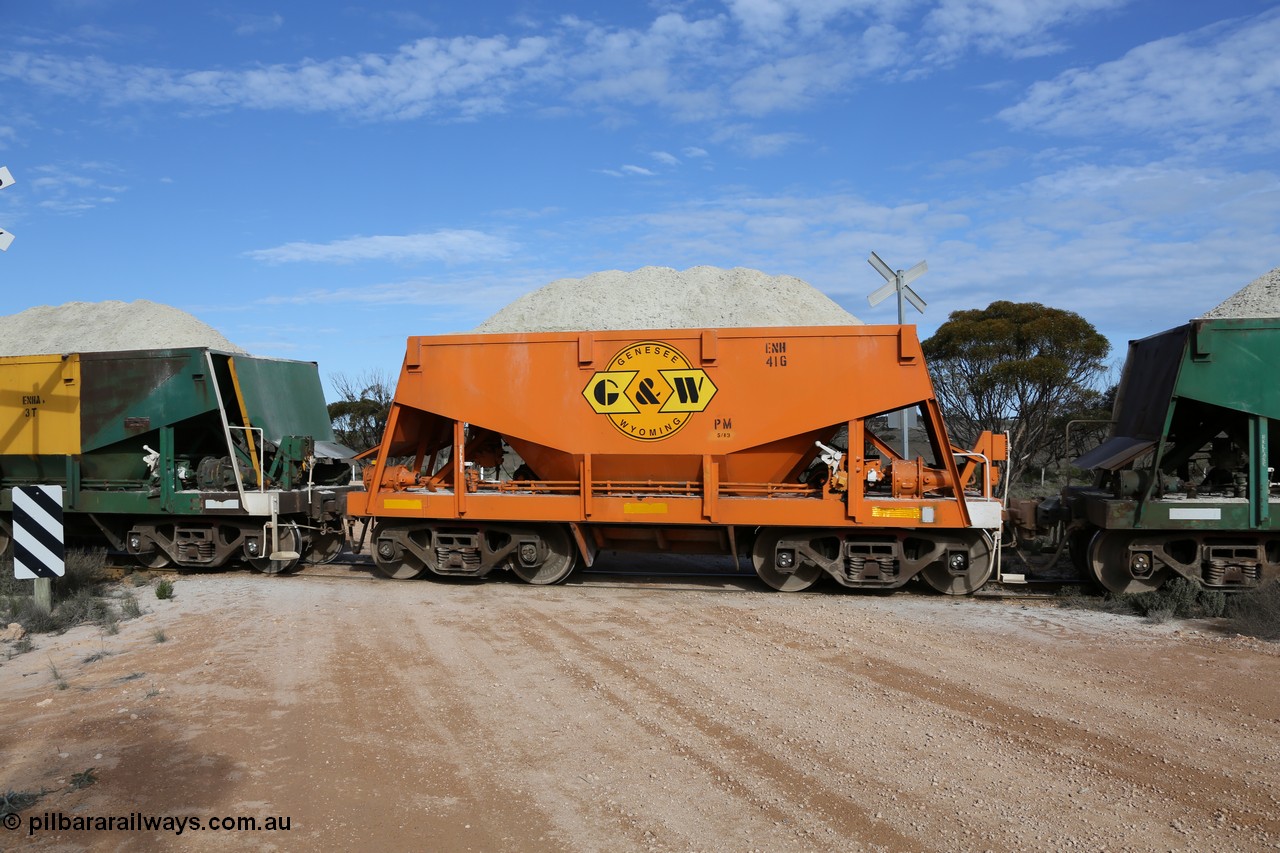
(531,453)
(186,457)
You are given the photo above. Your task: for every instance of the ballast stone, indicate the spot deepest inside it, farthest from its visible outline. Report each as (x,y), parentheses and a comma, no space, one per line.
(108,326)
(665,298)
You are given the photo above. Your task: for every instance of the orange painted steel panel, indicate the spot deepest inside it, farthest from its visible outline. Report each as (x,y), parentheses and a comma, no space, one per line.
(531,387)
(729,413)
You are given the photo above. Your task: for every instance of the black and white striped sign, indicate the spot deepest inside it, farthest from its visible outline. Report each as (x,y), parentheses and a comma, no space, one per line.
(37,533)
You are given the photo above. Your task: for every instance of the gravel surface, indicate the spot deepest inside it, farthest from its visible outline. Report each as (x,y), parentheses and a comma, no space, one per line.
(638,714)
(1258,298)
(105,327)
(665,298)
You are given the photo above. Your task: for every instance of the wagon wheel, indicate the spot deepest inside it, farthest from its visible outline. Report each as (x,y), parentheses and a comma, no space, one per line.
(556,556)
(290,540)
(940,576)
(393,561)
(153,559)
(764,557)
(1078,550)
(1109,564)
(324,546)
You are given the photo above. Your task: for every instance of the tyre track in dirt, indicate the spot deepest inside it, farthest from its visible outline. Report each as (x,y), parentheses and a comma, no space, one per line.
(665,718)
(1089,769)
(736,763)
(1133,759)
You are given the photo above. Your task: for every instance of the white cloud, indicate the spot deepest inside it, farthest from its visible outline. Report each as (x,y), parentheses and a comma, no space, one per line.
(464,76)
(72,188)
(751,143)
(460,293)
(775,20)
(665,158)
(450,247)
(252,25)
(663,65)
(627,170)
(750,58)
(1219,86)
(787,83)
(1017,28)
(1133,248)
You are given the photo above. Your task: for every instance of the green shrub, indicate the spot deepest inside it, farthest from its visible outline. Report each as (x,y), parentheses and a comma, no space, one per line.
(77,596)
(1180,598)
(85,569)
(1257,612)
(81,606)
(12,802)
(84,778)
(1213,602)
(164,589)
(129,606)
(1075,598)
(10,586)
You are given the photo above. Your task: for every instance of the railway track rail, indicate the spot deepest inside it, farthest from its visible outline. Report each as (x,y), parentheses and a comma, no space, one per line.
(360,567)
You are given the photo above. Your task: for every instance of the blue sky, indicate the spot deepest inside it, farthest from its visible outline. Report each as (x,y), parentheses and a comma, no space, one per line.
(320,180)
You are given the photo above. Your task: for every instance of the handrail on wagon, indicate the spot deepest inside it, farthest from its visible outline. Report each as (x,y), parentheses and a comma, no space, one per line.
(260,468)
(986,463)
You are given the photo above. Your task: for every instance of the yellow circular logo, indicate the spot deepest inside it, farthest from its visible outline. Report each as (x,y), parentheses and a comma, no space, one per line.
(649,391)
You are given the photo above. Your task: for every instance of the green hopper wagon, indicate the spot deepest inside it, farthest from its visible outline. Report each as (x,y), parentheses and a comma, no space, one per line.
(1184,484)
(190,457)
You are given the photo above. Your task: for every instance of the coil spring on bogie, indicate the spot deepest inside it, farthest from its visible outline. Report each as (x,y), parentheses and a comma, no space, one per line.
(856,566)
(197,552)
(1215,574)
(467,558)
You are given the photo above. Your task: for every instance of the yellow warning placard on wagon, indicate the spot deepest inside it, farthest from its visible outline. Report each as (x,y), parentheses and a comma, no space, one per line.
(895,511)
(650,391)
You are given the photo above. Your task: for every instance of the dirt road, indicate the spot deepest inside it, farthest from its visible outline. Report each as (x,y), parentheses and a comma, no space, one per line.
(639,715)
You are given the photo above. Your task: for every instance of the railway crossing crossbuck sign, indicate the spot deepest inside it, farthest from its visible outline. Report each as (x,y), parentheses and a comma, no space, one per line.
(6,178)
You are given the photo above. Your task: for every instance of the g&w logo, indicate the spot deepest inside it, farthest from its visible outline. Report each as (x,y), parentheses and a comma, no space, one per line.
(649,391)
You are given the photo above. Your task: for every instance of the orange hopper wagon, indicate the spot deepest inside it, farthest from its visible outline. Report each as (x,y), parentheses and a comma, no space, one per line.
(763,442)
